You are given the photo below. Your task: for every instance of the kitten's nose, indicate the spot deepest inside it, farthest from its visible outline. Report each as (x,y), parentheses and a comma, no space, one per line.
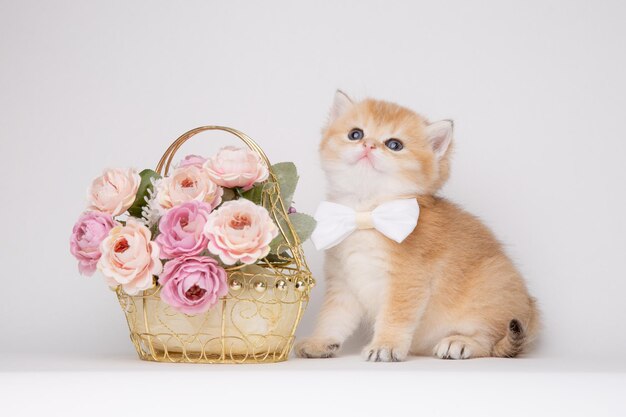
(369,145)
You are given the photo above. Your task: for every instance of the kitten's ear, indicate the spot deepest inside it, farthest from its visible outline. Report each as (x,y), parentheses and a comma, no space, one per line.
(341,104)
(439,135)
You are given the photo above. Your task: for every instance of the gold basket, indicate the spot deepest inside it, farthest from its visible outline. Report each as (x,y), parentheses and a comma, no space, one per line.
(254,323)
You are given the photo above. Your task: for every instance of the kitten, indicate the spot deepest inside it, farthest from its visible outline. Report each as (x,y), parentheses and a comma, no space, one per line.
(448,289)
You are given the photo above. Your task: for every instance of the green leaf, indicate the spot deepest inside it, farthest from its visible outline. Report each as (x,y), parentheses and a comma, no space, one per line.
(303,225)
(287,176)
(228,195)
(253,194)
(142,192)
(278,258)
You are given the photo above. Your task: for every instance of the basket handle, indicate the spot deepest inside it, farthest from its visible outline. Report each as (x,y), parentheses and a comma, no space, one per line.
(165,162)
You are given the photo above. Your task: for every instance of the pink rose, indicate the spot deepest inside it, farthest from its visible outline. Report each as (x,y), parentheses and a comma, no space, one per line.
(88,232)
(236,167)
(188,183)
(240,231)
(129,258)
(182,230)
(190,160)
(114,191)
(192,284)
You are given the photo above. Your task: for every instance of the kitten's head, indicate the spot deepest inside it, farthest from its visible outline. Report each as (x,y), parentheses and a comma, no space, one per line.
(378,148)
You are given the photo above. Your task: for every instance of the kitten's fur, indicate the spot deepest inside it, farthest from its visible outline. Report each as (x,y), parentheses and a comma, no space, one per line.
(448,289)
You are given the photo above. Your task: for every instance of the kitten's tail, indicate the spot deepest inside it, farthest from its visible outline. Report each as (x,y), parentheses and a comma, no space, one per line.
(511,344)
(517,337)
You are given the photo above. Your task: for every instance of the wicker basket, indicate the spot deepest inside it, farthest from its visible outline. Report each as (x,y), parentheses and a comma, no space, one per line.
(254,323)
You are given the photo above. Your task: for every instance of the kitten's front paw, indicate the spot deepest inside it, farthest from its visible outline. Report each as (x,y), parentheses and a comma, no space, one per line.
(317,348)
(384,353)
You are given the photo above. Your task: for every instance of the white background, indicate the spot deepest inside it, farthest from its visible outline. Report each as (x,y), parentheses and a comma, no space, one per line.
(537,91)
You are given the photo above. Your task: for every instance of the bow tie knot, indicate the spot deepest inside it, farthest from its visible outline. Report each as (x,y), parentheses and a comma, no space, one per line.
(395,219)
(363,220)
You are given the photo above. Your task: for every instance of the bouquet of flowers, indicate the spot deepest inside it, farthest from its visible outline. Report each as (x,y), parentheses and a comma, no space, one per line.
(182,232)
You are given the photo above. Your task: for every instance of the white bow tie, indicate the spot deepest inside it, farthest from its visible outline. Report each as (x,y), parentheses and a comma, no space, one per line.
(395,219)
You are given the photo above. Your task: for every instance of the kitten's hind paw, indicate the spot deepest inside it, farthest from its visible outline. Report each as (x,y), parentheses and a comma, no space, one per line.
(454,347)
(384,353)
(317,348)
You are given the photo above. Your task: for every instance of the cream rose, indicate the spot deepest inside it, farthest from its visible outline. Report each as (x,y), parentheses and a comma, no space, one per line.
(114,191)
(236,167)
(240,231)
(188,183)
(129,258)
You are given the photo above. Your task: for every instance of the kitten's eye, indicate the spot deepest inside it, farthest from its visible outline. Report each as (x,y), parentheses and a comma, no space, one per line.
(394,144)
(355,134)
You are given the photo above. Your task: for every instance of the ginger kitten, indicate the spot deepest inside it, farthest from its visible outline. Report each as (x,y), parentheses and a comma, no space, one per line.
(448,289)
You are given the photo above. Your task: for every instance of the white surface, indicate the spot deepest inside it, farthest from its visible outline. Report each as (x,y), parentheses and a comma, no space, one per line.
(121,385)
(345,362)
(537,91)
